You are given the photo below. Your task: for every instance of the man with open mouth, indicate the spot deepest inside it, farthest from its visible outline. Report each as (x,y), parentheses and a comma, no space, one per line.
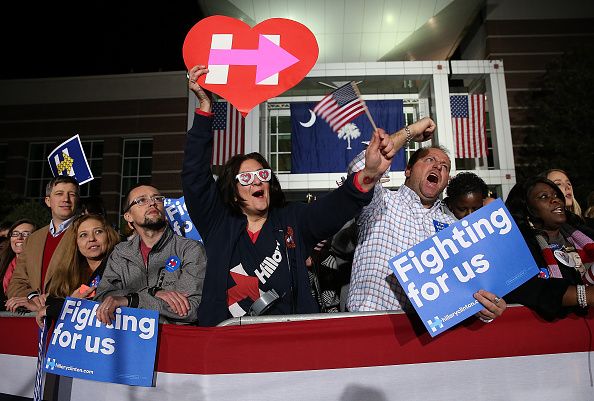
(395,221)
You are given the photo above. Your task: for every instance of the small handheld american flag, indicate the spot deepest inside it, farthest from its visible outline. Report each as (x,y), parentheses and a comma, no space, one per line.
(342,106)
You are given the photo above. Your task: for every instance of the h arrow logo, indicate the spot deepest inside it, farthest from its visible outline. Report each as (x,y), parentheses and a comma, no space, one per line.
(269,58)
(436,324)
(65,164)
(50,363)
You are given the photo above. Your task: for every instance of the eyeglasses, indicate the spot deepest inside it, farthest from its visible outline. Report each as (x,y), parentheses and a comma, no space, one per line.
(247,177)
(144,200)
(23,234)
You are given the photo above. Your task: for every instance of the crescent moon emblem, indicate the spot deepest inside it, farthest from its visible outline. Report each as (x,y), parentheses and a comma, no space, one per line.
(311,121)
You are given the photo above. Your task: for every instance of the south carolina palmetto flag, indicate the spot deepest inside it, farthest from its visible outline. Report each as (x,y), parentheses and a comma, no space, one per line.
(468,123)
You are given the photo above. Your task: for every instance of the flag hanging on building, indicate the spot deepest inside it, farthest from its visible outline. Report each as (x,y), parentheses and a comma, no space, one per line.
(315,148)
(468,123)
(229,133)
(341,106)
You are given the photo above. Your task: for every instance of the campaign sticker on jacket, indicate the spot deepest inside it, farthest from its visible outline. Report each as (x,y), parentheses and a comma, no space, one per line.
(173,263)
(95,282)
(439,225)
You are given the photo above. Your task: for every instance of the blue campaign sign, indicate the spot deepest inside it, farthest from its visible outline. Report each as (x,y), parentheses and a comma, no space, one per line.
(485,250)
(123,352)
(179,219)
(69,158)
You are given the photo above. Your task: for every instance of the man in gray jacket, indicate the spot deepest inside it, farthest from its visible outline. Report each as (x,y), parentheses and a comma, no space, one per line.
(157,269)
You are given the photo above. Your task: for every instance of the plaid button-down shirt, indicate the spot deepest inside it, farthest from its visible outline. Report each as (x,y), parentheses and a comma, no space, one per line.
(392,223)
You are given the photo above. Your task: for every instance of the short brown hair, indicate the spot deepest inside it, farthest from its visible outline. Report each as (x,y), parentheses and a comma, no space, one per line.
(61,179)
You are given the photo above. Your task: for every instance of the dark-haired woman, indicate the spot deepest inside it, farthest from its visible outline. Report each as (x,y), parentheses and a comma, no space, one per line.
(256,243)
(561,246)
(18,233)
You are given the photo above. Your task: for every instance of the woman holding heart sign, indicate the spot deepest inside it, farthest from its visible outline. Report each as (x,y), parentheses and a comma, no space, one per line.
(256,243)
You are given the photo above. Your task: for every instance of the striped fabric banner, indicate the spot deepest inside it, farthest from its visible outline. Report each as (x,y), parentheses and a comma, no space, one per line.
(468,123)
(229,133)
(344,357)
(41,347)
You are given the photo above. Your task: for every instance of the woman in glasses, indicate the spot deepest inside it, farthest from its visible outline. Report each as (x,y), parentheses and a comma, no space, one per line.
(18,234)
(256,243)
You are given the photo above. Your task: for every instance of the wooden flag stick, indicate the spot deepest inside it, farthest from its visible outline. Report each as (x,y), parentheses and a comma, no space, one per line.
(356,88)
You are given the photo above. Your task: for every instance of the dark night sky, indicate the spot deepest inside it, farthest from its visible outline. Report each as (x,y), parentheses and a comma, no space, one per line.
(53,39)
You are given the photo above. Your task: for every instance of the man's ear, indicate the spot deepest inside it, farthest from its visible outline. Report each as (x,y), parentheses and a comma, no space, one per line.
(407,173)
(47,201)
(127,217)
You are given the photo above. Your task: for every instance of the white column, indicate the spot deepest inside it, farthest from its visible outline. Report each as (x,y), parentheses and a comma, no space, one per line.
(252,131)
(500,125)
(440,94)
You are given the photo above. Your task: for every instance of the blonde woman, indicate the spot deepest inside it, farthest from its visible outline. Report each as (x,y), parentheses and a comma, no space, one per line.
(561,179)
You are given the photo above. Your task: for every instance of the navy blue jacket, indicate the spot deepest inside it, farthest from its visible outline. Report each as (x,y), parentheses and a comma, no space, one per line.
(224,231)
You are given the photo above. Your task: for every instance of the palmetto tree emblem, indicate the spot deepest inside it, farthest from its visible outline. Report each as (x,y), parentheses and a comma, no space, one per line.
(348,132)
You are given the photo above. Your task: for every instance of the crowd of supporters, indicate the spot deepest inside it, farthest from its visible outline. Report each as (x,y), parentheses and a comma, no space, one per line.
(261,255)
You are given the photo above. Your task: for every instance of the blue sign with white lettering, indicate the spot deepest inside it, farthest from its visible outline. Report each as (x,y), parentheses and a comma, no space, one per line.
(123,352)
(179,219)
(485,250)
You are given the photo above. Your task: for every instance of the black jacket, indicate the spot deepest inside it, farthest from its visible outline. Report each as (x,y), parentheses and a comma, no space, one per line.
(226,241)
(545,296)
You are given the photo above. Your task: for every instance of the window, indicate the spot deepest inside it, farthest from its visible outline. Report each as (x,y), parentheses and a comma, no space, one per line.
(136,164)
(38,169)
(280,140)
(94,153)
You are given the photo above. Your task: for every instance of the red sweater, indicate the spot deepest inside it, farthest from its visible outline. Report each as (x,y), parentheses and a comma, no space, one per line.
(51,243)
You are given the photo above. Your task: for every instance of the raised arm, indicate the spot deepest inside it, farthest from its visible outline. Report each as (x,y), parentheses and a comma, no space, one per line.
(419,131)
(327,215)
(201,195)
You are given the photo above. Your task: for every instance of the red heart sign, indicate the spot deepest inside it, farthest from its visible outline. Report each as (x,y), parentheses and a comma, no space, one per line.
(250,65)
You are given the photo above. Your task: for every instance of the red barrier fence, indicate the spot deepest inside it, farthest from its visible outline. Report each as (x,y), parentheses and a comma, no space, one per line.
(378,357)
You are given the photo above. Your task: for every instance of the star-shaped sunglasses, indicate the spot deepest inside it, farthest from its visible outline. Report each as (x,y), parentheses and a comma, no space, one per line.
(247,177)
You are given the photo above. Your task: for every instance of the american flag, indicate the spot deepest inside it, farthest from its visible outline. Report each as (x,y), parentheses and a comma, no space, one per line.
(468,122)
(341,106)
(229,133)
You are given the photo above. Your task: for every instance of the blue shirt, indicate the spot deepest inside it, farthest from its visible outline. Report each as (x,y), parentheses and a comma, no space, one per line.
(61,227)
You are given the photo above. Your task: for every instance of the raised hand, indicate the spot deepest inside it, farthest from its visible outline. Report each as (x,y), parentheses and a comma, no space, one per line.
(204,97)
(422,130)
(378,158)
